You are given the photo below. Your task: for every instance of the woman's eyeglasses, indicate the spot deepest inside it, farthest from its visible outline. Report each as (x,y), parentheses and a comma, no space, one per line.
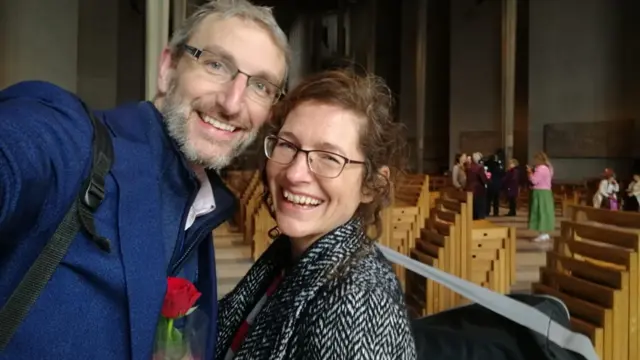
(322,163)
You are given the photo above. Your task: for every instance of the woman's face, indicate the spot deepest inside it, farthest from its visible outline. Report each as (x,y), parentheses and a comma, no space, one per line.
(636,178)
(308,205)
(463,158)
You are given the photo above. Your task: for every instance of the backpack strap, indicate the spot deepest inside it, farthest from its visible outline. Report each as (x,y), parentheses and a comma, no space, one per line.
(77,218)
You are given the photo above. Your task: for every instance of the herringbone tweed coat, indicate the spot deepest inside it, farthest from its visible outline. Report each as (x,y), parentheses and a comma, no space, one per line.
(340,300)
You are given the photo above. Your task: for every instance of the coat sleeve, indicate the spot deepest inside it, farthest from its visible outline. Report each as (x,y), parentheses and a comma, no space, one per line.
(45,140)
(361,324)
(455,175)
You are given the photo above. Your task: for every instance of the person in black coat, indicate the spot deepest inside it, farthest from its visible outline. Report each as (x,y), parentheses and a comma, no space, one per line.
(511,186)
(495,166)
(477,184)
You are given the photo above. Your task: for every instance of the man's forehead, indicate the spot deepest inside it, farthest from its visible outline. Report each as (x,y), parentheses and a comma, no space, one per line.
(247,43)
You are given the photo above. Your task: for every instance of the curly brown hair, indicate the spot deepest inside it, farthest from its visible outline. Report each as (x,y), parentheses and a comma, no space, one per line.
(381,139)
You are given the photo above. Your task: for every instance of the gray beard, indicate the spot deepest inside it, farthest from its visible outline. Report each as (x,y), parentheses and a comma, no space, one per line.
(175,117)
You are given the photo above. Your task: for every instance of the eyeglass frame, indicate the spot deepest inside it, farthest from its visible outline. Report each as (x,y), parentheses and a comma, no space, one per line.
(197,52)
(307,152)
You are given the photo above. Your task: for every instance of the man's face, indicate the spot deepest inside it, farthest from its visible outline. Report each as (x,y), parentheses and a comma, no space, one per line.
(213,121)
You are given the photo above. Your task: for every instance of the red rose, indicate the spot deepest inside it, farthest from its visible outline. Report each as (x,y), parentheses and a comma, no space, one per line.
(180,297)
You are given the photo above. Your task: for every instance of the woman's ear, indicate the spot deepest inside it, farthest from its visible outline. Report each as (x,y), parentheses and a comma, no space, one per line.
(370,191)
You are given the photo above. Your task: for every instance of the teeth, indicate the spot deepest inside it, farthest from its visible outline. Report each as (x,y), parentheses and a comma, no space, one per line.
(218,124)
(299,199)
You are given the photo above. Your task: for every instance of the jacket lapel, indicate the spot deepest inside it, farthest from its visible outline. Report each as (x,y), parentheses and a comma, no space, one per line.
(144,265)
(274,325)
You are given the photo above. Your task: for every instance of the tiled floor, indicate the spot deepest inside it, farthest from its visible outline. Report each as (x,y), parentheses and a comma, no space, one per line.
(530,256)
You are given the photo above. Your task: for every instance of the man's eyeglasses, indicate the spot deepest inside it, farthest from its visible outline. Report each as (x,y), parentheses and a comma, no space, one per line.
(322,163)
(222,71)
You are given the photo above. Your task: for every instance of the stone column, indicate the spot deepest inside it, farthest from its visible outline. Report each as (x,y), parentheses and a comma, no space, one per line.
(509,16)
(178,13)
(157,37)
(421,82)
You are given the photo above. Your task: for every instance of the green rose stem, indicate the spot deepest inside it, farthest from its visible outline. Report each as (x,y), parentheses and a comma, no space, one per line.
(169,329)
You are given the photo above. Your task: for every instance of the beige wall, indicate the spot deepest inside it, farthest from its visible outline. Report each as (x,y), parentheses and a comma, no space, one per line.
(584,61)
(94,48)
(38,40)
(98,52)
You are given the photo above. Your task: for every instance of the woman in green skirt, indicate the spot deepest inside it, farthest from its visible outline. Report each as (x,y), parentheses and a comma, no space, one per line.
(541,207)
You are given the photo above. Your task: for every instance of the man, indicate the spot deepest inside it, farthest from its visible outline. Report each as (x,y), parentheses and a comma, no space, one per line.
(218,78)
(495,167)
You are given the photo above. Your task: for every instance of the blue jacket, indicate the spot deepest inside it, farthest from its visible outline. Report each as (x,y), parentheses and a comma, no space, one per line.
(98,305)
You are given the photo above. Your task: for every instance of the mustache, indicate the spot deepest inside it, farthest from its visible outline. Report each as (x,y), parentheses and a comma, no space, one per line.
(214,110)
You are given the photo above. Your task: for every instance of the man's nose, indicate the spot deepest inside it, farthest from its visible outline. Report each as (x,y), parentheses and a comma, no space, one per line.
(233,94)
(298,170)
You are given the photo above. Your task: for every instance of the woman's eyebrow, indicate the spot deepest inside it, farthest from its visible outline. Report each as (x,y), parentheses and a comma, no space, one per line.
(323,145)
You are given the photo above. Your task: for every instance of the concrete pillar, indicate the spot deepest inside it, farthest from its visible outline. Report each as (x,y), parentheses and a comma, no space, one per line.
(156,39)
(509,23)
(178,13)
(300,41)
(421,82)
(362,34)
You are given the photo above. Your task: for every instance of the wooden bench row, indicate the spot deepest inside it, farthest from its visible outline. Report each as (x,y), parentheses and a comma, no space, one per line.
(479,251)
(594,268)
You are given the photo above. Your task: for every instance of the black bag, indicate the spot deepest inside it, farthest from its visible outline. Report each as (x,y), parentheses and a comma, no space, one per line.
(475,333)
(78,217)
(496,327)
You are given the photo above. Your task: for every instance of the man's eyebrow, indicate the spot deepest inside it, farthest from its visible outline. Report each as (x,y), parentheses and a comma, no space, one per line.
(226,56)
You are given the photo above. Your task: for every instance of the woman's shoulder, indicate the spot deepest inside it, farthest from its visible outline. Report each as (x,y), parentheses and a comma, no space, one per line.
(367,272)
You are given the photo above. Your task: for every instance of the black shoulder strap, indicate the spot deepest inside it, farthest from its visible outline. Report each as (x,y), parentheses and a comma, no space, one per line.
(79,217)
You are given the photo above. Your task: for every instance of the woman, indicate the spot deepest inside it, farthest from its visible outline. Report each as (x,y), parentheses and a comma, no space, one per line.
(477,184)
(541,205)
(458,176)
(633,191)
(607,190)
(322,290)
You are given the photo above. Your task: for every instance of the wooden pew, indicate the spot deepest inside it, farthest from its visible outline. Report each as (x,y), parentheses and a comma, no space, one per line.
(488,245)
(564,195)
(435,247)
(479,251)
(241,183)
(439,182)
(622,219)
(407,215)
(263,223)
(595,269)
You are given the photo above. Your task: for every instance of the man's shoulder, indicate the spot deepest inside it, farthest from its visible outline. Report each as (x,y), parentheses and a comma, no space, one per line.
(35,103)
(43,91)
(134,121)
